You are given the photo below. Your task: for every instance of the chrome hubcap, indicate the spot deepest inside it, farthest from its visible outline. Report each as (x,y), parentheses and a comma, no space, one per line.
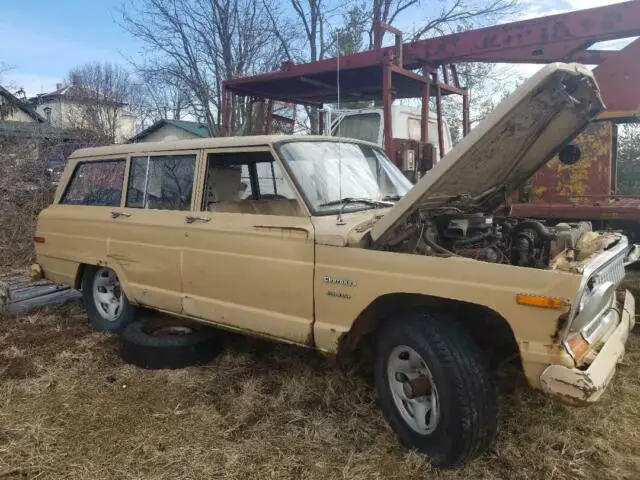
(413,389)
(107,294)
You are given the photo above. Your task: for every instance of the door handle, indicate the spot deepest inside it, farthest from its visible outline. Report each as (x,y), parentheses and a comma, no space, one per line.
(197,219)
(120,214)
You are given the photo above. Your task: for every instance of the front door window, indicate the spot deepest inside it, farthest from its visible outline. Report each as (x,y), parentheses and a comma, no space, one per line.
(248,182)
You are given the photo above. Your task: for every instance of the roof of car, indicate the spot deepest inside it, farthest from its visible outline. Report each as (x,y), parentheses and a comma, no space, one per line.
(199,143)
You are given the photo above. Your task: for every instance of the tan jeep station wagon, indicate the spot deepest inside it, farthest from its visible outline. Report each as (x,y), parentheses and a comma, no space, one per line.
(322,242)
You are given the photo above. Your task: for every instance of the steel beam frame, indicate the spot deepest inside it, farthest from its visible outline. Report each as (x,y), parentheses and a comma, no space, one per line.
(562,37)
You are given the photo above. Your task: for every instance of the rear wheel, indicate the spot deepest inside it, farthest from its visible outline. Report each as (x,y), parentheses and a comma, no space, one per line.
(435,389)
(107,305)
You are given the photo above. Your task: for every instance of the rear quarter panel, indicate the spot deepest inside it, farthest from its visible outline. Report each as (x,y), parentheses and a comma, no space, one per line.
(74,234)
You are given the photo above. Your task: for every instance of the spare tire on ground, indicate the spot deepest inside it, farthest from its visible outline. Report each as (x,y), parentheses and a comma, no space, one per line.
(164,342)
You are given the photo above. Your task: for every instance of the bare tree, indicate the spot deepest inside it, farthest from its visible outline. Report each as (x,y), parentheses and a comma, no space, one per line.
(6,108)
(356,21)
(447,18)
(159,99)
(198,44)
(97,94)
(386,11)
(628,159)
(305,34)
(4,68)
(7,83)
(487,84)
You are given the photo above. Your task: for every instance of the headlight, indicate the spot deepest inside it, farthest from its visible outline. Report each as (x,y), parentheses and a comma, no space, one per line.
(592,304)
(595,316)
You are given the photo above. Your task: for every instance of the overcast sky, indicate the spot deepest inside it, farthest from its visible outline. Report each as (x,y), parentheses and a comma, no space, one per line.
(41,40)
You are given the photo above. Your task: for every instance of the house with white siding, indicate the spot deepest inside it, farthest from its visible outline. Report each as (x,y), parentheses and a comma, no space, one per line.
(75,108)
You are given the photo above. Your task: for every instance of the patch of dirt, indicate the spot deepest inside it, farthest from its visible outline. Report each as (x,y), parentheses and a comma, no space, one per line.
(70,409)
(17,368)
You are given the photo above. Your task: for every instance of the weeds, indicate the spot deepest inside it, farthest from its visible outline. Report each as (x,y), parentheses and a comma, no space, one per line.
(69,408)
(25,190)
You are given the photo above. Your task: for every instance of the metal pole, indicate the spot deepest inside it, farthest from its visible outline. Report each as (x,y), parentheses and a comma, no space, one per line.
(248,127)
(293,119)
(321,121)
(399,59)
(440,124)
(466,124)
(269,125)
(232,123)
(387,100)
(424,130)
(224,127)
(445,73)
(377,35)
(456,78)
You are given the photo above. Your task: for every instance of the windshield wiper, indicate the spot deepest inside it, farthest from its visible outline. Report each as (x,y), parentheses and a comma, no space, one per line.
(393,198)
(366,201)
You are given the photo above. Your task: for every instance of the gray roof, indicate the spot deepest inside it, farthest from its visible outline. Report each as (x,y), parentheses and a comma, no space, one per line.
(74,93)
(26,108)
(33,130)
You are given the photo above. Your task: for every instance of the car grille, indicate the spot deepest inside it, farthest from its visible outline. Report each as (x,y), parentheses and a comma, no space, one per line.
(612,272)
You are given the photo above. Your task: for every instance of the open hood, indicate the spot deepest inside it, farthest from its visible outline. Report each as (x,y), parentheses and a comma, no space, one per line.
(504,150)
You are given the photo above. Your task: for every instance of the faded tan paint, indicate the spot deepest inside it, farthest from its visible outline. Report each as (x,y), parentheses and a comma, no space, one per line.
(299,279)
(494,286)
(270,256)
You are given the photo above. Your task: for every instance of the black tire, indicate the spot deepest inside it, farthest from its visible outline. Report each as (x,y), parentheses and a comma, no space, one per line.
(126,314)
(161,342)
(467,397)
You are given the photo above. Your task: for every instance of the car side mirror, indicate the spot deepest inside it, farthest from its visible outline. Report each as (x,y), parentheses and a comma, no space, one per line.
(570,154)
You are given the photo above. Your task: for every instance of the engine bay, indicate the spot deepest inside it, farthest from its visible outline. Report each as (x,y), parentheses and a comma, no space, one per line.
(524,243)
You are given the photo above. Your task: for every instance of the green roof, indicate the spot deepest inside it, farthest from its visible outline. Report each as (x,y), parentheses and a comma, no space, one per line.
(195,128)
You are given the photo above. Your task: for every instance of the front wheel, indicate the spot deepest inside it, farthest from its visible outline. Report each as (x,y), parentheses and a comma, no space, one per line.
(435,389)
(107,305)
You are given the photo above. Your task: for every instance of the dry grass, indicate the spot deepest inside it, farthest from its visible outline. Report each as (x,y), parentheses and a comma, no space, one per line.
(69,408)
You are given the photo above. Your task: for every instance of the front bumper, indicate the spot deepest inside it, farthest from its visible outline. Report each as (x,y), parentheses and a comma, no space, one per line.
(582,387)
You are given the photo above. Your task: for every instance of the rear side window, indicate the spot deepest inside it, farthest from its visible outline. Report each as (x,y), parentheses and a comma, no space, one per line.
(96,183)
(161,182)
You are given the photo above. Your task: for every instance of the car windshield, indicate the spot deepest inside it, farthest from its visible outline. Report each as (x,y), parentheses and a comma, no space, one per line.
(331,174)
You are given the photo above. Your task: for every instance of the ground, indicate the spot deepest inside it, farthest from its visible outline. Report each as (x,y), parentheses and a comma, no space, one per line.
(69,408)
